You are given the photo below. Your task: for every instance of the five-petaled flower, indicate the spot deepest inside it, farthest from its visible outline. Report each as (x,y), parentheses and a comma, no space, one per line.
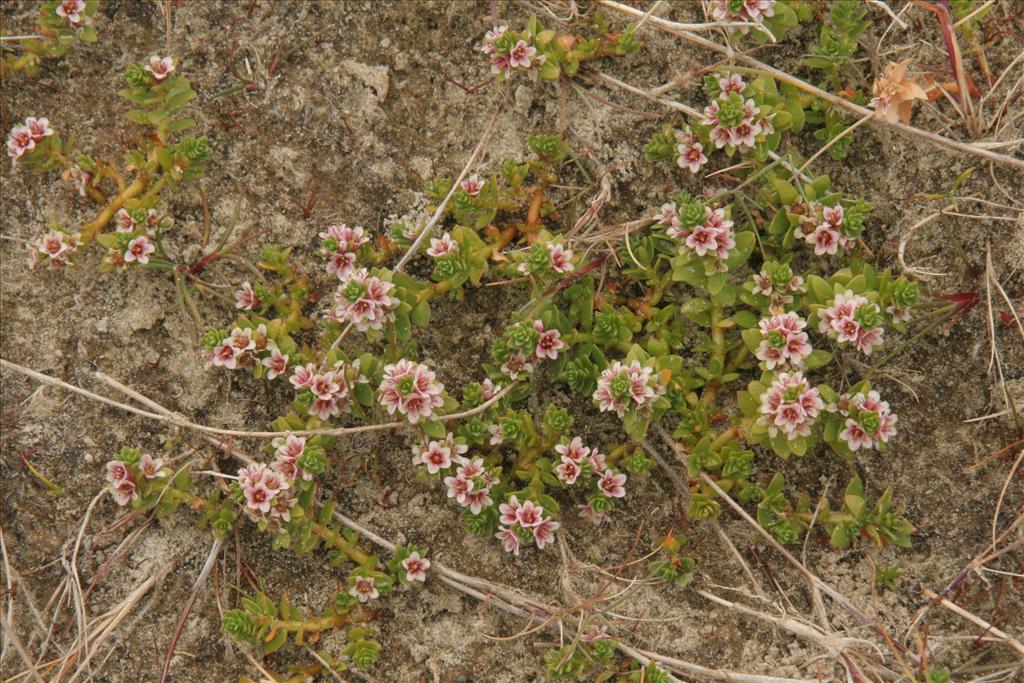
(612,485)
(139,250)
(160,67)
(549,343)
(521,55)
(246,298)
(472,185)
(71,11)
(560,258)
(276,363)
(364,588)
(151,467)
(411,390)
(442,246)
(416,567)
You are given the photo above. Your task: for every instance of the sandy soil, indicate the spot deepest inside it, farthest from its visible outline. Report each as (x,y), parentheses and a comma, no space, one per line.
(359,113)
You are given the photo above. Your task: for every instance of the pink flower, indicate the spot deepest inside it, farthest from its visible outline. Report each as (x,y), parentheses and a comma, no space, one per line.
(611,484)
(550,342)
(302,376)
(364,588)
(731,83)
(325,408)
(622,387)
(443,246)
(276,363)
(488,389)
(20,141)
(38,128)
(790,404)
(595,634)
(324,385)
(560,258)
(478,500)
(509,511)
(363,300)
(416,567)
(779,294)
(79,178)
(472,185)
(597,461)
(411,390)
(124,491)
(55,246)
(521,54)
(574,450)
(225,355)
(853,318)
(783,341)
(544,532)
(340,244)
(257,497)
(117,471)
(150,468)
(529,514)
(702,240)
(282,507)
(509,540)
(870,422)
(568,471)
(825,240)
(437,456)
(691,157)
(123,222)
(241,338)
(246,298)
(139,250)
(516,364)
(71,10)
(488,45)
(668,216)
(833,215)
(587,511)
(160,67)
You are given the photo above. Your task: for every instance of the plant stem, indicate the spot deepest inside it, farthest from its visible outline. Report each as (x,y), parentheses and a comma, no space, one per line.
(717,352)
(93,228)
(724,438)
(333,538)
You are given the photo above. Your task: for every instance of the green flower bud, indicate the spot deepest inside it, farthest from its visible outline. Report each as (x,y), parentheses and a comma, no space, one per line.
(906,293)
(312,460)
(556,420)
(730,110)
(691,214)
(212,337)
(136,75)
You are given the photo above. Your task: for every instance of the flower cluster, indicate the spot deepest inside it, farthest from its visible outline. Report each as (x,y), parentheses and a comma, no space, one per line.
(508,51)
(246,347)
(733,120)
(622,387)
(869,422)
(439,455)
(544,257)
(701,230)
(411,390)
(791,405)
(826,234)
(783,341)
(471,484)
(339,244)
(133,239)
(779,283)
(852,318)
(524,523)
(364,300)
(55,248)
(577,459)
(23,139)
(328,392)
(125,477)
(267,492)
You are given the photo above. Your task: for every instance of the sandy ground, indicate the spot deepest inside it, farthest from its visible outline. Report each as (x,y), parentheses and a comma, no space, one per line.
(358,113)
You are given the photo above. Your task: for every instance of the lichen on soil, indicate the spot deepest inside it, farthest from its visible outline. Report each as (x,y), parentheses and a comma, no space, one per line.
(359,112)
